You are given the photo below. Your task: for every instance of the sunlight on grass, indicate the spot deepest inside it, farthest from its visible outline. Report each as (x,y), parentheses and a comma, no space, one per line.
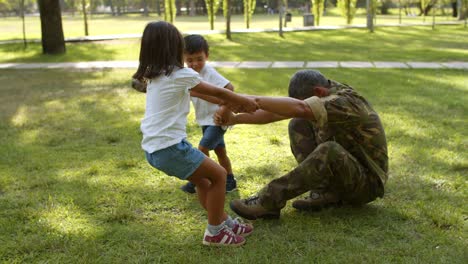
(20,118)
(67,219)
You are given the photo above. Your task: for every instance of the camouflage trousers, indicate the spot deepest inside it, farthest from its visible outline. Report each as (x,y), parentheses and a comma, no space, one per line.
(326,167)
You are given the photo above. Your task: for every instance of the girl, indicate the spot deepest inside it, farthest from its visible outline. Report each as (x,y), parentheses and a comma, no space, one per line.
(169,86)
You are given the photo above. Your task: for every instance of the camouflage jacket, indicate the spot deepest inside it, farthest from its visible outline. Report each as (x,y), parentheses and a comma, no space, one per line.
(348,119)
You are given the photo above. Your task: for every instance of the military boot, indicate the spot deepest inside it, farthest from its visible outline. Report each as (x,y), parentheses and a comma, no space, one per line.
(251,208)
(317,201)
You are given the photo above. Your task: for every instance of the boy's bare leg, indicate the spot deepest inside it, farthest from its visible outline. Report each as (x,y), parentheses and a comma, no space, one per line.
(204,150)
(210,179)
(223,159)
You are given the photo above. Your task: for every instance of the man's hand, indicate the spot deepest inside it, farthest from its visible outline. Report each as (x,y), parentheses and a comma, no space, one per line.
(223,117)
(242,104)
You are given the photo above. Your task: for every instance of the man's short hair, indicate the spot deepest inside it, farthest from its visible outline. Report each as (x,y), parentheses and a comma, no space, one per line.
(303,82)
(195,43)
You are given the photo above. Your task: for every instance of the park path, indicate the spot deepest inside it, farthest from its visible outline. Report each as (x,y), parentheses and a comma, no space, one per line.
(249,65)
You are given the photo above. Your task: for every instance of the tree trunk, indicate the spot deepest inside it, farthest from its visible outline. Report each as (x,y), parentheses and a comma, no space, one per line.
(145,8)
(24,25)
(85,17)
(462,10)
(454,9)
(228,20)
(53,41)
(158,7)
(193,10)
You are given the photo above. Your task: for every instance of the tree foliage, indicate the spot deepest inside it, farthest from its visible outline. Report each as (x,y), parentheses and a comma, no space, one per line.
(212,7)
(249,9)
(227,16)
(169,10)
(348,9)
(317,10)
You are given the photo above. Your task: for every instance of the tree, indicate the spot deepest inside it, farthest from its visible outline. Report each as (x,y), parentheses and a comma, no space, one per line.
(227,15)
(249,8)
(212,7)
(53,41)
(85,16)
(348,9)
(24,23)
(192,9)
(169,10)
(463,12)
(317,10)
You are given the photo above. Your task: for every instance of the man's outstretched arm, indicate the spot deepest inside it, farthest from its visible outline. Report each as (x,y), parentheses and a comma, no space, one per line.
(259,117)
(285,106)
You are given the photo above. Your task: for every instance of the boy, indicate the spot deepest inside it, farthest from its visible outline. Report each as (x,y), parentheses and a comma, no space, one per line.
(195,56)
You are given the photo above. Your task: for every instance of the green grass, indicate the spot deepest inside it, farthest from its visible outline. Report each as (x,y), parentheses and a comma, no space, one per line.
(73,26)
(74,184)
(445,43)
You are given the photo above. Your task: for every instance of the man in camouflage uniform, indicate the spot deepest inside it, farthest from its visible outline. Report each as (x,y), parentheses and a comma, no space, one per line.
(337,139)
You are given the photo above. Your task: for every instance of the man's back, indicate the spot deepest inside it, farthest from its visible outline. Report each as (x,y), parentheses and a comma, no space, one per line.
(354,124)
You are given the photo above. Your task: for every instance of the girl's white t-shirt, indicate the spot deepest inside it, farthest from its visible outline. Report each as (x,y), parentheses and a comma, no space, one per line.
(204,110)
(167,107)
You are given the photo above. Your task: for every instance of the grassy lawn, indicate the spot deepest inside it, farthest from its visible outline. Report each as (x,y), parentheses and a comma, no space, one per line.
(74,184)
(445,43)
(73,26)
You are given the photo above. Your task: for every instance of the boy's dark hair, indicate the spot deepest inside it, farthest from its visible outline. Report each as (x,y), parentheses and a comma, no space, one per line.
(303,82)
(196,43)
(162,49)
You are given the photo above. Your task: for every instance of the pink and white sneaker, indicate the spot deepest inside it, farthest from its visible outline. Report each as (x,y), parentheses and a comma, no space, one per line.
(225,237)
(240,228)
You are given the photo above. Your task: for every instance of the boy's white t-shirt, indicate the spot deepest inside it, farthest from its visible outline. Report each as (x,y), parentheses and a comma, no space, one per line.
(204,110)
(167,107)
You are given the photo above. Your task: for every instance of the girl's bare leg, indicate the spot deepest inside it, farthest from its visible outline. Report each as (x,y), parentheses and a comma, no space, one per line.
(210,179)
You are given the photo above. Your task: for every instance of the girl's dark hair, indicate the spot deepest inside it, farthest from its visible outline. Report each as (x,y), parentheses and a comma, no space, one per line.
(162,49)
(195,43)
(303,83)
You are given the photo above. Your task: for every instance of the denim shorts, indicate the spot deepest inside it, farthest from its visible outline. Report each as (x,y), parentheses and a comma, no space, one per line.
(213,137)
(179,160)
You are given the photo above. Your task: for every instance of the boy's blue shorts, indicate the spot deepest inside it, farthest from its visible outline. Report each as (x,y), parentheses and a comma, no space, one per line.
(179,160)
(213,137)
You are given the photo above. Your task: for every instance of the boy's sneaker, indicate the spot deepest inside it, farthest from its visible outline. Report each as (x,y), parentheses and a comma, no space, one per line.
(231,184)
(240,228)
(189,188)
(225,237)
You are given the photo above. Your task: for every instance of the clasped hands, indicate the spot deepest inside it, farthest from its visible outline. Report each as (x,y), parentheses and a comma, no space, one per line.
(224,116)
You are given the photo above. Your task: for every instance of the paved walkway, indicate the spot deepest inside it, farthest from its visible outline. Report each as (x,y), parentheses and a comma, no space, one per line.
(249,65)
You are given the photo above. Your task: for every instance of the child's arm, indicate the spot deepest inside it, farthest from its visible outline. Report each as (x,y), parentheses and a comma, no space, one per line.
(233,101)
(208,98)
(211,99)
(229,86)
